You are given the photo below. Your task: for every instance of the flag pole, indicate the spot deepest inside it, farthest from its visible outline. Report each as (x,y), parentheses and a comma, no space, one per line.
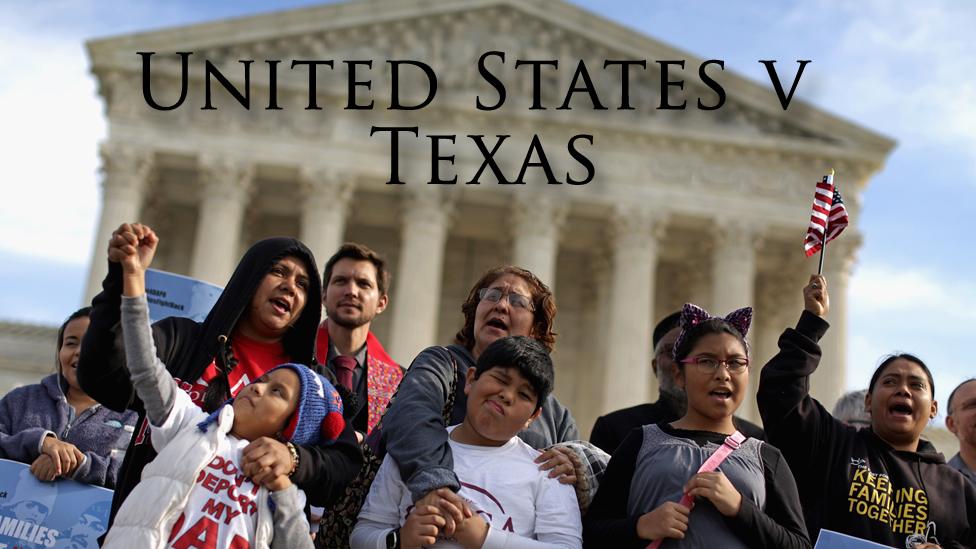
(823,245)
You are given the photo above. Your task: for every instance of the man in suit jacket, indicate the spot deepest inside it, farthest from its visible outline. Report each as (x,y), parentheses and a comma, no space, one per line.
(355,282)
(610,430)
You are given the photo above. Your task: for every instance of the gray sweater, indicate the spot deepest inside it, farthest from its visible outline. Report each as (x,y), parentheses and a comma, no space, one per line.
(156,387)
(413,427)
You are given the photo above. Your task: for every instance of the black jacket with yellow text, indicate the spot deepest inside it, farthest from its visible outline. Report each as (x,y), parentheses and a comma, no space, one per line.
(851,481)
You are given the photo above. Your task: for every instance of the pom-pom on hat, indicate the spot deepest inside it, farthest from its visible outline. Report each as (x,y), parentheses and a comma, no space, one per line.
(318,415)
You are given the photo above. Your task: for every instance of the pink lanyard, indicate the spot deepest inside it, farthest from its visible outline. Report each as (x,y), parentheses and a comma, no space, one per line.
(732,442)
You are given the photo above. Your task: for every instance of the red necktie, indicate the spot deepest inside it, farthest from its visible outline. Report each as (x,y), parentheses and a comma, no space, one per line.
(344,367)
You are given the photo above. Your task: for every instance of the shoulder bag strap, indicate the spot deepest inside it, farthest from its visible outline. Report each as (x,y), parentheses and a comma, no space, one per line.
(732,443)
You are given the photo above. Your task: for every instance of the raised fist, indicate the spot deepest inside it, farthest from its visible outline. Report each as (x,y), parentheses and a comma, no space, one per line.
(133,245)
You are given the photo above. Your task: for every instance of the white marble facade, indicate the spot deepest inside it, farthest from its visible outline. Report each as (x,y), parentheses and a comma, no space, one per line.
(690,205)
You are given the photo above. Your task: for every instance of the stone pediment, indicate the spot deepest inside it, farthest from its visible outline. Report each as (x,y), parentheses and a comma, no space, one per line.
(450,36)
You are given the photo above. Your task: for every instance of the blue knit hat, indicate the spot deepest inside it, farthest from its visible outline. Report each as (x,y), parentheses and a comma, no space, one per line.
(317,419)
(318,414)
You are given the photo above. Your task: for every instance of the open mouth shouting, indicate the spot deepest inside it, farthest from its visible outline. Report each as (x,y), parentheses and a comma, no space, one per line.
(901,410)
(281,305)
(497,323)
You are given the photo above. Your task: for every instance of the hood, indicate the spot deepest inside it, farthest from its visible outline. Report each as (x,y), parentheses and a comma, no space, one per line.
(299,341)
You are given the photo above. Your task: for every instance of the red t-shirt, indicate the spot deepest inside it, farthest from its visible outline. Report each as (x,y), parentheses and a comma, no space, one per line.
(254,358)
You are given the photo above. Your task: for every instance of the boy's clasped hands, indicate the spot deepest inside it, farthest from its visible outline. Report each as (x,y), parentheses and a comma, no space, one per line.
(442,514)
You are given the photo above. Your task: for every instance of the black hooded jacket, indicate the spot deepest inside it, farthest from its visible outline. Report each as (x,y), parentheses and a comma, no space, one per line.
(187,347)
(852,481)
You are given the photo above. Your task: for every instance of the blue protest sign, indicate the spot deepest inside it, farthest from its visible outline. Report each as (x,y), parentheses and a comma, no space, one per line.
(834,540)
(61,514)
(171,294)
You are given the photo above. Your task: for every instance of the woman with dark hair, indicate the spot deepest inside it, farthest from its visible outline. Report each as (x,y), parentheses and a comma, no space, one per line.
(267,315)
(883,483)
(651,484)
(506,301)
(60,430)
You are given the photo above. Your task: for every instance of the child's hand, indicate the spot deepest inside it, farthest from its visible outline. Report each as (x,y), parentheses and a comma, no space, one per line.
(421,527)
(815,298)
(450,506)
(715,487)
(472,532)
(670,520)
(280,482)
(134,246)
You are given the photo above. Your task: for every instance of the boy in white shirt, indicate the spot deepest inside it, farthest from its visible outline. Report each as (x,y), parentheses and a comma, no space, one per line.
(507,501)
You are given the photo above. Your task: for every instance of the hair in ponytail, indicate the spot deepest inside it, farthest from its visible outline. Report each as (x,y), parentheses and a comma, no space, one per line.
(218,390)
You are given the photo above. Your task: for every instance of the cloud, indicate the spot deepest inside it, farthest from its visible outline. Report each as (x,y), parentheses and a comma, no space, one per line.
(900,70)
(52,122)
(880,289)
(897,309)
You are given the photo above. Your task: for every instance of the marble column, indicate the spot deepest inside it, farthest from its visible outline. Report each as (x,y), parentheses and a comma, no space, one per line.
(538,222)
(325,196)
(778,305)
(830,380)
(733,284)
(586,403)
(634,235)
(125,175)
(225,188)
(426,217)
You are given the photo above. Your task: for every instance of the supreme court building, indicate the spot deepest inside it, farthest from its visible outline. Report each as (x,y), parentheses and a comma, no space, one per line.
(685,205)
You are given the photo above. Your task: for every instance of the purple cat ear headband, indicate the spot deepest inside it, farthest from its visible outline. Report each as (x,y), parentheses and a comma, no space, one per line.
(693,315)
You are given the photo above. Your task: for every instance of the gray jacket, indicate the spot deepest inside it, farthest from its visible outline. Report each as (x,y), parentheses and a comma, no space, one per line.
(413,427)
(29,413)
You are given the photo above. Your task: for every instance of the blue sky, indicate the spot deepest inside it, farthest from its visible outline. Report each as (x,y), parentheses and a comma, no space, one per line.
(904,72)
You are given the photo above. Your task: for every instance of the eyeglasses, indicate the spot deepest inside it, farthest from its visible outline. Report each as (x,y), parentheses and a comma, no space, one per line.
(708,364)
(494,295)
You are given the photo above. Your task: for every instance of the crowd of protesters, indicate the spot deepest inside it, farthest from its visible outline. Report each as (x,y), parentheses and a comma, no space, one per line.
(271,411)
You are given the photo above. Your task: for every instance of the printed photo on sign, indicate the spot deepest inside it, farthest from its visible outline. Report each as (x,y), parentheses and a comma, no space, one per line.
(61,514)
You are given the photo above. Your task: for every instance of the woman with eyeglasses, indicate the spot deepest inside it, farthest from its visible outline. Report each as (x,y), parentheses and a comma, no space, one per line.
(882,483)
(506,301)
(656,489)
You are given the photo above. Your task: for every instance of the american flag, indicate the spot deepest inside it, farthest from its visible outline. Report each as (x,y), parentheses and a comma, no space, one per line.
(828,213)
